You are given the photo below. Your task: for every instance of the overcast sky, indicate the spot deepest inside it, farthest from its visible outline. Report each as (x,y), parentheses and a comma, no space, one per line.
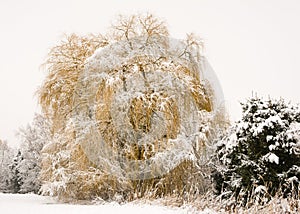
(253,45)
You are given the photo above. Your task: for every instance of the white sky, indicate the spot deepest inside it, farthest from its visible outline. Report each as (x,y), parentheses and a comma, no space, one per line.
(253,45)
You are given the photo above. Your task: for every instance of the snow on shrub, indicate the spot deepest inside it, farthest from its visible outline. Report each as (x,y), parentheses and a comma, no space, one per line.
(262,149)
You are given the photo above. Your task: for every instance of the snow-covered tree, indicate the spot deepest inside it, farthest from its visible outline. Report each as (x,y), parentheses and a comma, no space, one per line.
(261,154)
(16,180)
(132,112)
(33,138)
(6,175)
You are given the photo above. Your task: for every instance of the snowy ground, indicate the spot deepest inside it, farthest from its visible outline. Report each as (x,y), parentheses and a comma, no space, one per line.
(31,204)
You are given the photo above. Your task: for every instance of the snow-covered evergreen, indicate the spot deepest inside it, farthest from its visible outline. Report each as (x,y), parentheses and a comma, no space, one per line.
(33,138)
(262,151)
(6,175)
(16,180)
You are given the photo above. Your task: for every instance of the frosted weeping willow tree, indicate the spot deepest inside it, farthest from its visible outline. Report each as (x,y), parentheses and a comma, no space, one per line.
(134,113)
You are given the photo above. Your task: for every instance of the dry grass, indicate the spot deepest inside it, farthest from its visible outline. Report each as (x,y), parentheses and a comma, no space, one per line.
(277,205)
(211,203)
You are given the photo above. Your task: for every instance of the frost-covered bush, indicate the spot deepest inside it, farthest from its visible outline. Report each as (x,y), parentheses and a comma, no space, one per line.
(261,154)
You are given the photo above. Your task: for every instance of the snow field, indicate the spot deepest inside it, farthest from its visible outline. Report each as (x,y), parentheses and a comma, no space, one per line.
(35,204)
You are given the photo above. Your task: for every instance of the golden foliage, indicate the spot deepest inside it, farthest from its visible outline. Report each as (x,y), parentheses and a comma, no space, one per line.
(67,172)
(64,64)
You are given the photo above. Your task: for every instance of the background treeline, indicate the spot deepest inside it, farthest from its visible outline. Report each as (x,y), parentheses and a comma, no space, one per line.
(19,168)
